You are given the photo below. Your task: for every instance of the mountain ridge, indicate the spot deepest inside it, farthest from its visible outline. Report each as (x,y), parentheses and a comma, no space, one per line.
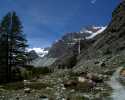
(67,47)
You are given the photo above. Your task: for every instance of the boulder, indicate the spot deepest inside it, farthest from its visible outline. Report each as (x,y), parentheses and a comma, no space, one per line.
(70,83)
(86,85)
(95,77)
(82,79)
(102,64)
(122,73)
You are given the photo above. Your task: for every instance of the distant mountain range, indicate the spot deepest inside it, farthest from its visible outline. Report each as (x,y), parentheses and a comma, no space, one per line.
(95,42)
(69,40)
(41,52)
(65,46)
(107,47)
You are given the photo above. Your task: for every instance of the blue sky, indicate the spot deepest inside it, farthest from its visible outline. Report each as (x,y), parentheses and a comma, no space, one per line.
(45,21)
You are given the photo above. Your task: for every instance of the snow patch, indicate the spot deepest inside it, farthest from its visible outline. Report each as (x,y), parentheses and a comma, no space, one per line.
(40,51)
(100,30)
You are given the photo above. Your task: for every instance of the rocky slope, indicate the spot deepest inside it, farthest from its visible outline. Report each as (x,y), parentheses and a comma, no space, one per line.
(113,39)
(95,47)
(108,47)
(65,50)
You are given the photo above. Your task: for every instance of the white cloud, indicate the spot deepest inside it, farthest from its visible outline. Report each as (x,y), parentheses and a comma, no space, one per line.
(40,51)
(93,1)
(36,49)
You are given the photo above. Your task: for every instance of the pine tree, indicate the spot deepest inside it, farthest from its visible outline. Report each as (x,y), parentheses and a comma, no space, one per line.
(14,43)
(3,54)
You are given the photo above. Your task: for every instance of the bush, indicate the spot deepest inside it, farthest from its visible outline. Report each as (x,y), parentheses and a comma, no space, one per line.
(26,74)
(40,70)
(107,52)
(35,71)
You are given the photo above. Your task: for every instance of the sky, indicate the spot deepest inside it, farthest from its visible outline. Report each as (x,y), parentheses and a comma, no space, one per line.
(45,21)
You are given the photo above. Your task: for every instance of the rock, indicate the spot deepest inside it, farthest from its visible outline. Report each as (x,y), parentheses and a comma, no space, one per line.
(63,99)
(63,88)
(48,88)
(95,77)
(86,86)
(102,64)
(42,97)
(100,88)
(96,62)
(109,71)
(97,96)
(83,74)
(82,79)
(72,90)
(27,90)
(17,98)
(105,76)
(91,82)
(86,96)
(89,75)
(98,80)
(26,82)
(70,83)
(122,73)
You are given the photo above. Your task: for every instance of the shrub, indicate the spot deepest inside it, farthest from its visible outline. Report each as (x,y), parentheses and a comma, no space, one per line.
(40,70)
(26,74)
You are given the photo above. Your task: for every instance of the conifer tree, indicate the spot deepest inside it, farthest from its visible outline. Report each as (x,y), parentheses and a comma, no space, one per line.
(13,43)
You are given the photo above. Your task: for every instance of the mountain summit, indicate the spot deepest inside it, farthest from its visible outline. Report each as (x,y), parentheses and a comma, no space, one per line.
(66,48)
(41,52)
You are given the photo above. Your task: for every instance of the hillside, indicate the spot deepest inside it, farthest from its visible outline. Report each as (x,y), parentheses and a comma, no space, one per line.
(108,47)
(65,49)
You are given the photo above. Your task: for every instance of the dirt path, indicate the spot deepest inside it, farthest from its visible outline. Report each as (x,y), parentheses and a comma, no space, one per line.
(118,88)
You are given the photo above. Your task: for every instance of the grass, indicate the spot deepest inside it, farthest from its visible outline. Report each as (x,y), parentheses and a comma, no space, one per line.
(20,85)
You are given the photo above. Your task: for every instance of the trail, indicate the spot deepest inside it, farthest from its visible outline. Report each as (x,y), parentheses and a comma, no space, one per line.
(118,88)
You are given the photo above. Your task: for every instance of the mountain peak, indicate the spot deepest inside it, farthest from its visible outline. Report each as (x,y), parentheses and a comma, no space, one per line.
(92,29)
(95,31)
(40,51)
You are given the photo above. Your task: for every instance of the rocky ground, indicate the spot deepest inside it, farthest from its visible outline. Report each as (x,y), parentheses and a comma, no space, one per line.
(60,86)
(82,83)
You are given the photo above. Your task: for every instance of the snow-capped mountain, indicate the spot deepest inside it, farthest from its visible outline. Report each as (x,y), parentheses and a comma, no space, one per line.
(40,51)
(65,46)
(69,39)
(93,31)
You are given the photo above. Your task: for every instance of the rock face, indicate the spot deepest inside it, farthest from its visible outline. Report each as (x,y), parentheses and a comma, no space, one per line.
(95,51)
(65,43)
(112,40)
(66,49)
(109,43)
